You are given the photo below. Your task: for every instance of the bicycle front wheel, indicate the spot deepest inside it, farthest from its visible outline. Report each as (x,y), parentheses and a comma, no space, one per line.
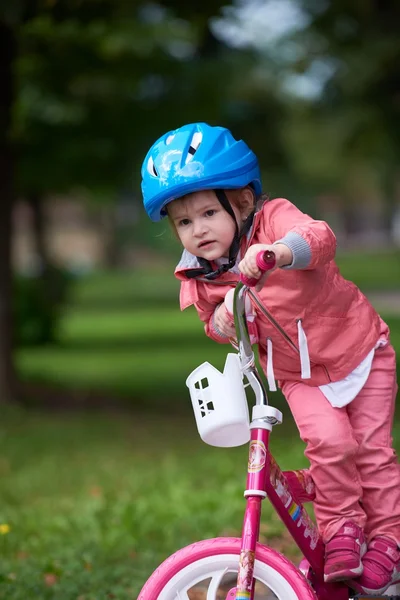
(208,569)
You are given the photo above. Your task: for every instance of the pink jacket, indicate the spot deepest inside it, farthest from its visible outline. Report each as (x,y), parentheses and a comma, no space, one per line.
(319,325)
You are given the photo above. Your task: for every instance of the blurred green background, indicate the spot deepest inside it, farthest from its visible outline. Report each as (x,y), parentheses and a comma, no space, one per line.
(102,473)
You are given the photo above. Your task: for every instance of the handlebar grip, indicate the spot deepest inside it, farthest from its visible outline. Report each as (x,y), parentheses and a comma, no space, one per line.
(265,262)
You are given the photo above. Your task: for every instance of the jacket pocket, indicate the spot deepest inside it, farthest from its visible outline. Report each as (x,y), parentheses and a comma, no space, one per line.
(328,338)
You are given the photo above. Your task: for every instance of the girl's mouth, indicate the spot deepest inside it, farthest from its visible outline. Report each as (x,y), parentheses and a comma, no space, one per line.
(204,244)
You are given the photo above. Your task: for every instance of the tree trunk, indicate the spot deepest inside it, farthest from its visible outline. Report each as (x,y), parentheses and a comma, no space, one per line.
(7,54)
(53,283)
(35,201)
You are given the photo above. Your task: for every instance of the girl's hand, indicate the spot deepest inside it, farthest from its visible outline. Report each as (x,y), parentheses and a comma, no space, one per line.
(223,321)
(248,266)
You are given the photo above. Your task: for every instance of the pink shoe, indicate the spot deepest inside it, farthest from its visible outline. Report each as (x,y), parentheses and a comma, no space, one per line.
(343,553)
(381,566)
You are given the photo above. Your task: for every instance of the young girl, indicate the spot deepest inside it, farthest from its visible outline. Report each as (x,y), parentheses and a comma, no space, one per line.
(318,335)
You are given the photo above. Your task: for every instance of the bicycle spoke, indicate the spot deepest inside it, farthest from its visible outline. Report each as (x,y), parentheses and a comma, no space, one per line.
(182,596)
(214,585)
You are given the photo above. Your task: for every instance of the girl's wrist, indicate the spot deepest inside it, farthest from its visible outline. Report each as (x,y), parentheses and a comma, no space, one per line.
(284,256)
(214,324)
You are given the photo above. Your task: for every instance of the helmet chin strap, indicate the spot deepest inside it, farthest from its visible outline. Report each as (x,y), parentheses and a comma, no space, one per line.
(206,269)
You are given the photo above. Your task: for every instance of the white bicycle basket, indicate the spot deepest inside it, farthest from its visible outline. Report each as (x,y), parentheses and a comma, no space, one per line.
(219,403)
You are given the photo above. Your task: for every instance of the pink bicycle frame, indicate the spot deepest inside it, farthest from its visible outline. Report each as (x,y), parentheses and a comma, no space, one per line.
(285,491)
(265,479)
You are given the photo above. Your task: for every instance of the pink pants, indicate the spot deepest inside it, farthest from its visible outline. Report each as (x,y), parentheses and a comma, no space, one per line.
(352,461)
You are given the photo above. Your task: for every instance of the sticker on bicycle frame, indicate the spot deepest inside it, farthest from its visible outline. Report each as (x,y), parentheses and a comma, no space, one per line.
(245,576)
(310,530)
(280,484)
(257,456)
(296,512)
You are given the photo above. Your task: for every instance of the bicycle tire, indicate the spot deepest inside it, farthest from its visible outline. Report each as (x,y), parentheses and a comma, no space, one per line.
(190,564)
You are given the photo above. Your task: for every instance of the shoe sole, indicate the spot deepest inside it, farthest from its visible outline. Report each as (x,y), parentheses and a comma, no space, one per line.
(381,590)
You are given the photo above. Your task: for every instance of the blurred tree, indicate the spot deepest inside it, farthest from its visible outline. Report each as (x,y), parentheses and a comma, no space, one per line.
(352,52)
(95,83)
(332,69)
(7,56)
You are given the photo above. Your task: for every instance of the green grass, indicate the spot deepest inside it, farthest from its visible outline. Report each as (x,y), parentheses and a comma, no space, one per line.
(95,503)
(140,355)
(116,326)
(129,288)
(378,270)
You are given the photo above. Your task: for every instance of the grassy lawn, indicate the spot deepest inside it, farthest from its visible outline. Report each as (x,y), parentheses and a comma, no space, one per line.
(371,271)
(93,504)
(139,355)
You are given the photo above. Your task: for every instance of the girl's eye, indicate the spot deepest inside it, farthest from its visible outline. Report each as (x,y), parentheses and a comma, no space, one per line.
(211,212)
(183,222)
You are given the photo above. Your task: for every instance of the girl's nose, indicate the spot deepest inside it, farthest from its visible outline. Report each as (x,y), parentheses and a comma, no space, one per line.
(199,228)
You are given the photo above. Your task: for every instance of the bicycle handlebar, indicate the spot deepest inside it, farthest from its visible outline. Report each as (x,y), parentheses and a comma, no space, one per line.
(265,262)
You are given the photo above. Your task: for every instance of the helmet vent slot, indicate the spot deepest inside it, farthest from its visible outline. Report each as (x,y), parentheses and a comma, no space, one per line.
(194,145)
(151,167)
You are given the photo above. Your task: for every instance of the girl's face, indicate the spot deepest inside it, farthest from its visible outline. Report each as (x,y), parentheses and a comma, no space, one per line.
(204,227)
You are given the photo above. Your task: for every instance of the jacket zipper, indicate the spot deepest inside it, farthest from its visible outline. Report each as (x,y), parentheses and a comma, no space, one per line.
(272,320)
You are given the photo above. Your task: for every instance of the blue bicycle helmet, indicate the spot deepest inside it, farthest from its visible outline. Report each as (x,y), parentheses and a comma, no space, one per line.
(192,158)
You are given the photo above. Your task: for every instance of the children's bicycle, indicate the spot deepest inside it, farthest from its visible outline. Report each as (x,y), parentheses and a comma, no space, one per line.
(243,569)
